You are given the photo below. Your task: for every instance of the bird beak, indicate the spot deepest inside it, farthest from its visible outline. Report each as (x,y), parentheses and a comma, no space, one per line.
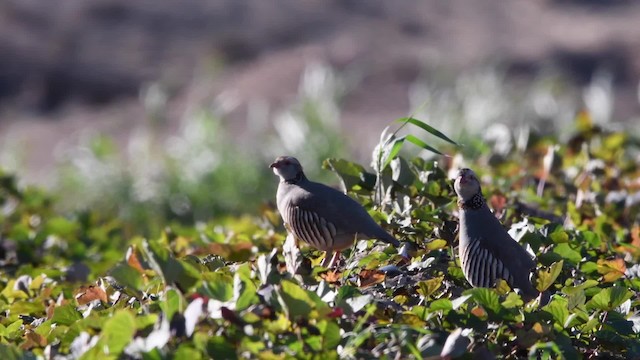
(273,165)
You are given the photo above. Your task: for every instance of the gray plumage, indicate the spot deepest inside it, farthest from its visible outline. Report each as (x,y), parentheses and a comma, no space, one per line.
(319,215)
(486,250)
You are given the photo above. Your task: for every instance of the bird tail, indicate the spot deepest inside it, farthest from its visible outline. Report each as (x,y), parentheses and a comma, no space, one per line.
(386,237)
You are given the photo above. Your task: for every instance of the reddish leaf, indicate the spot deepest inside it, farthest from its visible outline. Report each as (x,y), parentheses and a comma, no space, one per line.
(371,277)
(87,294)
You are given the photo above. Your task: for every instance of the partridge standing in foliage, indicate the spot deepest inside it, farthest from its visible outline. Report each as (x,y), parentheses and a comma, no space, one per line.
(319,215)
(487,252)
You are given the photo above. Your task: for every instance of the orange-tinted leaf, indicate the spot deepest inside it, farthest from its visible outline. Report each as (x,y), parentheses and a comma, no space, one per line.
(33,340)
(611,270)
(331,276)
(479,312)
(371,277)
(87,294)
(50,308)
(132,259)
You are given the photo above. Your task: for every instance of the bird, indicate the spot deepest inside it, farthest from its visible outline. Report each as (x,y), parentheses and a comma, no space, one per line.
(320,215)
(487,252)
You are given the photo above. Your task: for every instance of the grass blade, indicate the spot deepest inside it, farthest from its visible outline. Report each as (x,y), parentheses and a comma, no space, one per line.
(395,149)
(428,128)
(414,140)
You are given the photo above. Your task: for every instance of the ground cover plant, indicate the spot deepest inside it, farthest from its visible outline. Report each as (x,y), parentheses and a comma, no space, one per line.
(82,285)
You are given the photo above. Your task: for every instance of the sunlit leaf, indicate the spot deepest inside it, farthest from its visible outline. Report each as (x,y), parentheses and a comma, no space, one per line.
(546,278)
(611,269)
(426,127)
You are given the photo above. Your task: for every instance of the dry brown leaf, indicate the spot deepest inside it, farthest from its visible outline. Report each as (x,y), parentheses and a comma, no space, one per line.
(33,340)
(371,277)
(87,294)
(132,259)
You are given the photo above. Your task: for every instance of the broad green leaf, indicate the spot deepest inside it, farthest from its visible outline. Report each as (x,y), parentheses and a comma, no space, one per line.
(217,285)
(429,287)
(185,351)
(487,298)
(436,244)
(12,352)
(609,298)
(568,253)
(173,302)
(558,308)
(117,332)
(297,301)
(351,174)
(172,270)
(244,291)
(513,300)
(127,276)
(546,278)
(441,304)
(218,347)
(65,315)
(330,334)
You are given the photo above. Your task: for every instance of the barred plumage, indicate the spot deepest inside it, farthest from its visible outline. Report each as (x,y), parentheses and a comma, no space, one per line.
(487,252)
(311,228)
(319,215)
(481,268)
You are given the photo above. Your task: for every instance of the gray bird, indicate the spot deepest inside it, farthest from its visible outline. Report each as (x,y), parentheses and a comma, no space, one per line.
(487,252)
(319,215)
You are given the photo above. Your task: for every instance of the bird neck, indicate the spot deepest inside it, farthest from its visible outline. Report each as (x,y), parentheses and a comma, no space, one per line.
(474,203)
(298,178)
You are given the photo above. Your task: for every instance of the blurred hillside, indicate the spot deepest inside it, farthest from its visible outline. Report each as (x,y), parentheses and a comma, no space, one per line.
(67,66)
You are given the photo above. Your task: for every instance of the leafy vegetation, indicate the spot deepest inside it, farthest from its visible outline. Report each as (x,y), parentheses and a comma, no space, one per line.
(87,285)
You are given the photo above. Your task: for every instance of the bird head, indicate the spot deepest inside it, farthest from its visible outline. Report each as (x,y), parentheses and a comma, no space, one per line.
(466,184)
(287,168)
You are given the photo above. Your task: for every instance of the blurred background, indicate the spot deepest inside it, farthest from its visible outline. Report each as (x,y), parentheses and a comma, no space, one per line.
(171,110)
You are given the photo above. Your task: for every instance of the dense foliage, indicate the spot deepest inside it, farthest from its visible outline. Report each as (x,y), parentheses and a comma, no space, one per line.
(84,285)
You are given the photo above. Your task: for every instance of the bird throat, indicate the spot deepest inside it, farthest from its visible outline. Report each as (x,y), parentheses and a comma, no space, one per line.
(295,180)
(474,203)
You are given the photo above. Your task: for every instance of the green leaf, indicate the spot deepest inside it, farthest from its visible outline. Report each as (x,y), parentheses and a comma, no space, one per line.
(117,332)
(558,308)
(395,149)
(185,351)
(487,298)
(127,276)
(351,174)
(171,269)
(568,253)
(12,352)
(218,347)
(414,140)
(546,278)
(173,302)
(428,128)
(428,287)
(297,301)
(441,304)
(610,298)
(218,286)
(65,315)
(330,334)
